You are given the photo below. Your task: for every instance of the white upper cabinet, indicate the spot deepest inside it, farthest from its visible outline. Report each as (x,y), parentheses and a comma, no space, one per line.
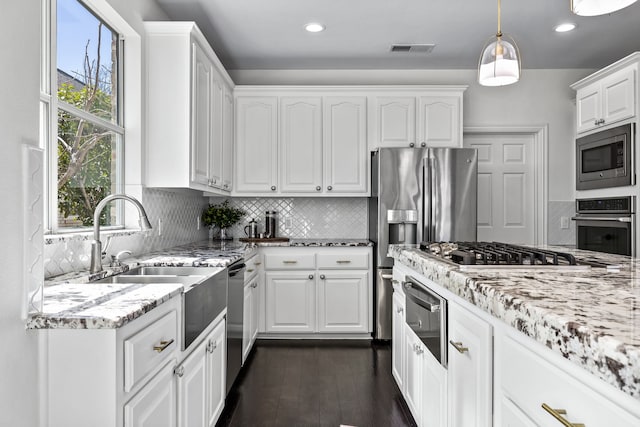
(227,139)
(301,144)
(607,96)
(187,122)
(395,122)
(417,117)
(256,144)
(345,144)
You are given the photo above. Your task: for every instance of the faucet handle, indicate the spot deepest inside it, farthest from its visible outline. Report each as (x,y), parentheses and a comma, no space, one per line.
(116,260)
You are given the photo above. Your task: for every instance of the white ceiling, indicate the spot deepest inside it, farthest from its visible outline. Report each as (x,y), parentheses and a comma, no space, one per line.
(269,34)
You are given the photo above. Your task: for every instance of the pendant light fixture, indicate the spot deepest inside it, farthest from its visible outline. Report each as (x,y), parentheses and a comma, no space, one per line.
(500,60)
(598,7)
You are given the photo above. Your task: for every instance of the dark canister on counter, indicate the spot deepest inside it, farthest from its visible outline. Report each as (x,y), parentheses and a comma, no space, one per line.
(270,224)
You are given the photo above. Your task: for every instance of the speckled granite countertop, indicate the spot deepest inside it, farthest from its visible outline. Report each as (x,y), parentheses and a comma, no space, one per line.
(71,301)
(591,317)
(319,243)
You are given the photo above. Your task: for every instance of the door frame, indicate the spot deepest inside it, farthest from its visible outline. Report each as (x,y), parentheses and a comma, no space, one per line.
(540,169)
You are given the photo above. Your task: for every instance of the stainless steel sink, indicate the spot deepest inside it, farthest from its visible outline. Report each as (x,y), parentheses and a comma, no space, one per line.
(172,271)
(122,278)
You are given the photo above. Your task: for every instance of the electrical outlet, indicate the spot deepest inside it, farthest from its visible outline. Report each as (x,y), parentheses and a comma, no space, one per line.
(288,223)
(159,226)
(564,222)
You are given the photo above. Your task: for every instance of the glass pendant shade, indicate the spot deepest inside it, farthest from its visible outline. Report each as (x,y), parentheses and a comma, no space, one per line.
(598,7)
(500,62)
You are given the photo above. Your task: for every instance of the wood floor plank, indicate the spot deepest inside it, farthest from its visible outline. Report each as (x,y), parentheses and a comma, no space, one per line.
(316,383)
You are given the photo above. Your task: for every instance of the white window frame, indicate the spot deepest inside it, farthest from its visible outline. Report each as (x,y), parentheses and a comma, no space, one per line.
(131,110)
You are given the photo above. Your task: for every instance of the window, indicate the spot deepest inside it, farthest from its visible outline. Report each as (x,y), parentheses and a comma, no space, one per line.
(81,106)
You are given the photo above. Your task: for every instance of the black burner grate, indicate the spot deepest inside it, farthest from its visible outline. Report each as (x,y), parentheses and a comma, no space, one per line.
(495,253)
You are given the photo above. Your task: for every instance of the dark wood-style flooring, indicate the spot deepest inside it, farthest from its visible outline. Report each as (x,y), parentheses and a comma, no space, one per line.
(316,383)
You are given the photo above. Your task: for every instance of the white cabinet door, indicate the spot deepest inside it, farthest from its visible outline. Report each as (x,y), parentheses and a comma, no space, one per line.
(216,373)
(202,103)
(290,301)
(256,144)
(301,144)
(255,309)
(215,150)
(246,321)
(192,390)
(618,96)
(588,106)
(434,392)
(343,301)
(440,122)
(227,139)
(154,405)
(345,144)
(413,350)
(395,124)
(397,340)
(470,369)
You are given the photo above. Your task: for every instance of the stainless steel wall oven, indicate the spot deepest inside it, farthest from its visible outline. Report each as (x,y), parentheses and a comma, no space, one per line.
(605,159)
(426,315)
(606,225)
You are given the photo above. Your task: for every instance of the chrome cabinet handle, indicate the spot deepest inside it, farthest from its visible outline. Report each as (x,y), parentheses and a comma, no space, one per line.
(211,346)
(596,122)
(558,415)
(254,285)
(458,346)
(346,261)
(273,188)
(418,349)
(400,310)
(318,188)
(311,277)
(329,188)
(163,345)
(289,262)
(179,371)
(322,276)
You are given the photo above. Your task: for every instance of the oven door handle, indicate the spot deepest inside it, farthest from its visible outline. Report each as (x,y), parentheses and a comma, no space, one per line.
(597,218)
(428,305)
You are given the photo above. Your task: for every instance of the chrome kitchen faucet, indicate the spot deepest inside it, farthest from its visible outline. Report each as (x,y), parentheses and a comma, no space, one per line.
(96,244)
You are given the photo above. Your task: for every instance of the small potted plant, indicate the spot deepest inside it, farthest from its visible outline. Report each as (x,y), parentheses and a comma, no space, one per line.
(222,216)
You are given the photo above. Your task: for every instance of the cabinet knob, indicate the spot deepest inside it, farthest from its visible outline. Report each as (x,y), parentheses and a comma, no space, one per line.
(412,145)
(255,285)
(601,121)
(329,188)
(418,349)
(211,346)
(179,371)
(322,276)
(215,181)
(318,188)
(458,346)
(423,144)
(273,188)
(400,310)
(311,277)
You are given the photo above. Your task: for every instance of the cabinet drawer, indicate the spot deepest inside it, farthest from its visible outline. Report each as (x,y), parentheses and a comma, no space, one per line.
(145,351)
(344,260)
(253,265)
(289,262)
(530,380)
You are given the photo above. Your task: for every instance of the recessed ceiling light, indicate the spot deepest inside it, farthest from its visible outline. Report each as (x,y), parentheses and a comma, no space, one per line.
(314,27)
(567,26)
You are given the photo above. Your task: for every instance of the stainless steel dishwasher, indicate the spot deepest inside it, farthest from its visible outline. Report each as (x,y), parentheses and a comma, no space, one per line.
(235,302)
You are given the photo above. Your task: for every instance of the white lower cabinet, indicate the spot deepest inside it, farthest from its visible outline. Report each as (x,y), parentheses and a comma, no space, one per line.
(397,340)
(425,385)
(251,311)
(311,290)
(470,369)
(201,381)
(154,406)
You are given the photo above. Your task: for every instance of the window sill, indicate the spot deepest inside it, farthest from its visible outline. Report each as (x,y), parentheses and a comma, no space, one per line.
(52,239)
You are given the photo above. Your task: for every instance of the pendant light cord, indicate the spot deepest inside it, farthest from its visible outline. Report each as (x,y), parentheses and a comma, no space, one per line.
(499,33)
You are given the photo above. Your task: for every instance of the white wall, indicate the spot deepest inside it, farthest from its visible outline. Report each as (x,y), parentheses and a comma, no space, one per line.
(540,97)
(19,74)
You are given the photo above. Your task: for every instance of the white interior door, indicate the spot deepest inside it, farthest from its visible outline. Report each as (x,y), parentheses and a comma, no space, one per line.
(506,186)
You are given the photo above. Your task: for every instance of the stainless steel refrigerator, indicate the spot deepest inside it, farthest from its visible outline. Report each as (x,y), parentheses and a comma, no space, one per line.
(417,194)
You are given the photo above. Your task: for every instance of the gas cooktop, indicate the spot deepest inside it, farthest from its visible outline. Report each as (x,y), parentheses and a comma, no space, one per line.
(501,255)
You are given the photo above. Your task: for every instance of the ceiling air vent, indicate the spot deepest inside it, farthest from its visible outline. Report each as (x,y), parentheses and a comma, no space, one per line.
(413,48)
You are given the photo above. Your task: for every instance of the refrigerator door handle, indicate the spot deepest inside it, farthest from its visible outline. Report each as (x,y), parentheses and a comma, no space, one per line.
(426,191)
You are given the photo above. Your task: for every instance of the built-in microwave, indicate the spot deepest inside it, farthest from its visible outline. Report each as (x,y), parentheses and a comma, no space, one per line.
(605,159)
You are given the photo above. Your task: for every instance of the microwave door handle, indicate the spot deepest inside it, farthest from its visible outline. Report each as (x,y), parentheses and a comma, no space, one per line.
(592,218)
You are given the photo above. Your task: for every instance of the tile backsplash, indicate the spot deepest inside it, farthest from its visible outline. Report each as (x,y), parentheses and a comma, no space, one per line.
(306,217)
(178,211)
